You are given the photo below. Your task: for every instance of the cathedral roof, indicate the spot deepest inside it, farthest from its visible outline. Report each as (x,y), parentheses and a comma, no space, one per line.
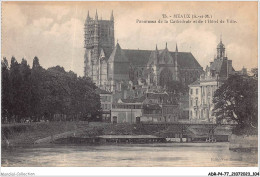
(121,63)
(186,60)
(138,57)
(141,57)
(118,55)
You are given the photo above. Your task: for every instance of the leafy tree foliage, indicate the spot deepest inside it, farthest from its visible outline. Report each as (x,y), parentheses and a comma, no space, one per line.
(254,71)
(36,93)
(176,89)
(236,100)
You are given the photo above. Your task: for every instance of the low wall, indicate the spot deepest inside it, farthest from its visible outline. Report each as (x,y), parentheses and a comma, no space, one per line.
(243,142)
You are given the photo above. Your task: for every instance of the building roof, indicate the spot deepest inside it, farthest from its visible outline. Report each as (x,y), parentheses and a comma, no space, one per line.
(154,95)
(220,66)
(101,91)
(133,100)
(197,82)
(152,106)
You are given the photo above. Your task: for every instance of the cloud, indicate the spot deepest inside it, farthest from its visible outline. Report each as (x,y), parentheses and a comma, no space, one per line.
(54,43)
(43,23)
(12,17)
(59,11)
(201,42)
(241,55)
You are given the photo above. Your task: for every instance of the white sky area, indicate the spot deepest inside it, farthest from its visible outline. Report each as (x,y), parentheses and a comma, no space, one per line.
(54,31)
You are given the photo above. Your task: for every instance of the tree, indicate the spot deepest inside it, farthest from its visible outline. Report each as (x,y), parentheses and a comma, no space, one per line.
(254,71)
(5,90)
(25,90)
(236,100)
(37,88)
(85,99)
(176,89)
(15,87)
(38,92)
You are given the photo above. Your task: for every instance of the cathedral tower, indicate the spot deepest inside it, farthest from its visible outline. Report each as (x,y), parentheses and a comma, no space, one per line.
(99,36)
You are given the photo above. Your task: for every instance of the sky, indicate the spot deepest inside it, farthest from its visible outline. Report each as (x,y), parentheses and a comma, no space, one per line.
(54,31)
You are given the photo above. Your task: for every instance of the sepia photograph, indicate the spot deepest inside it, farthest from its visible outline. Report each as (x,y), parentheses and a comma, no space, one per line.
(129,84)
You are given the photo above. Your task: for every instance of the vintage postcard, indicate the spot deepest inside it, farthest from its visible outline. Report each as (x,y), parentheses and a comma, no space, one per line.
(129,84)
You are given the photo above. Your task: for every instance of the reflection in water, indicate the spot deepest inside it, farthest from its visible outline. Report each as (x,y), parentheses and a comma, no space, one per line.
(172,154)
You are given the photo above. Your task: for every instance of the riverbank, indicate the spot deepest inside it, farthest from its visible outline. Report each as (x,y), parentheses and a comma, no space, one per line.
(20,134)
(47,132)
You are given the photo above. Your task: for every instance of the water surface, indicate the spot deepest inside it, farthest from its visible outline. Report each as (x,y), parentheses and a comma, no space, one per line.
(124,155)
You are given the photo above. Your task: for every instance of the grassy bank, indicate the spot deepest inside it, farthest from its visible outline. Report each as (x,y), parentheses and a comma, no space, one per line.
(29,133)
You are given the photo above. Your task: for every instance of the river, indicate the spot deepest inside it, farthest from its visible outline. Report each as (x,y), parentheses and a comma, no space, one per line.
(124,155)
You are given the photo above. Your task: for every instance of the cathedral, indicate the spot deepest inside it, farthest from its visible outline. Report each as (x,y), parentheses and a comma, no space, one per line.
(109,66)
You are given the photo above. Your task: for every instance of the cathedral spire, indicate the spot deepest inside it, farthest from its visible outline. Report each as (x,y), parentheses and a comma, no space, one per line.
(156,54)
(166,45)
(176,50)
(112,16)
(88,18)
(96,17)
